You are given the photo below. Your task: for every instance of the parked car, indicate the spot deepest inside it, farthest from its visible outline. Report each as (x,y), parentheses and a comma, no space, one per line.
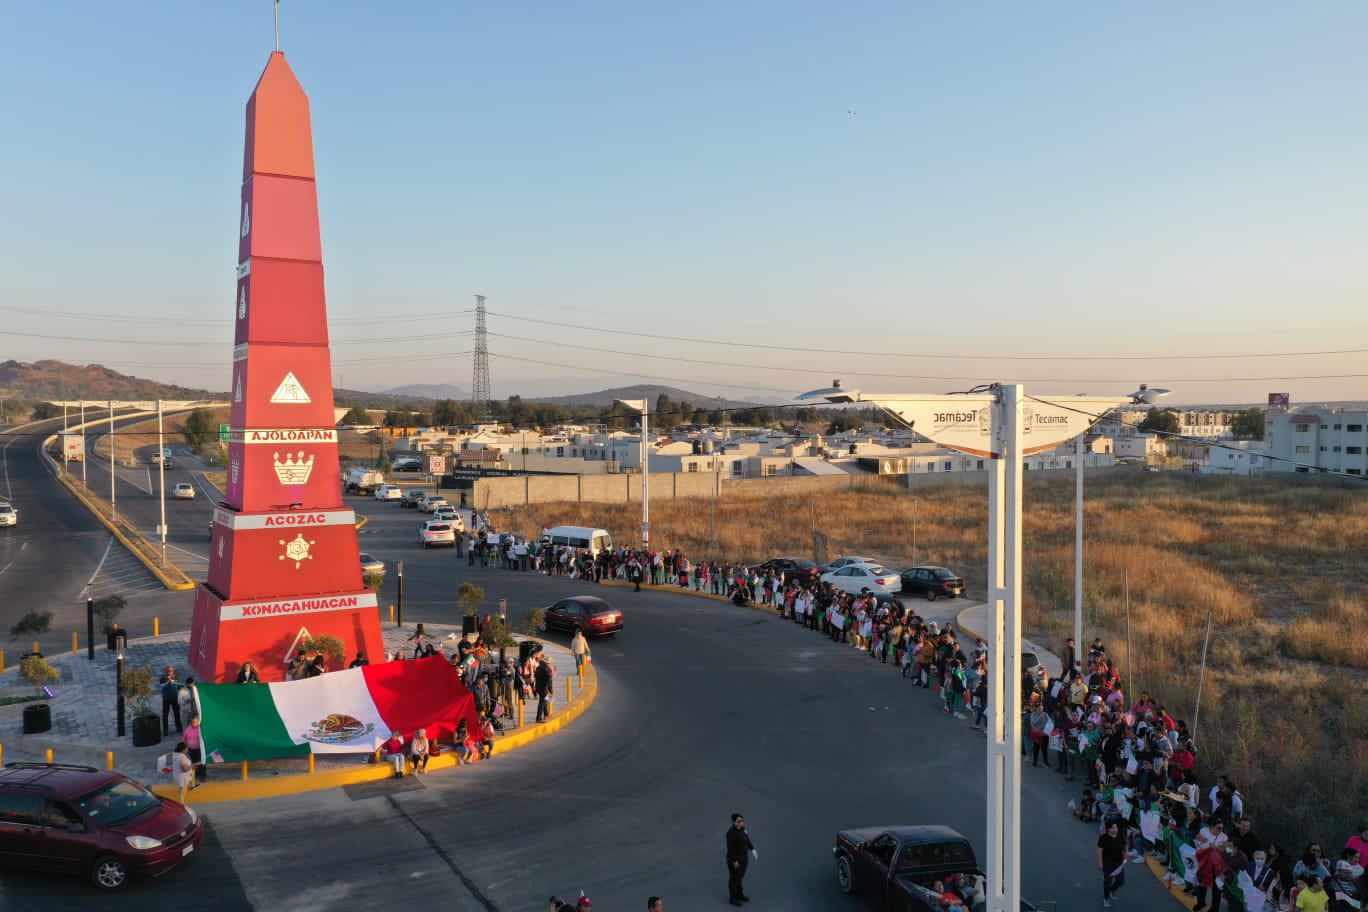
(583,612)
(389,492)
(372,564)
(435,532)
(898,866)
(858,577)
(183,490)
(8,515)
(791,568)
(449,514)
(413,497)
(407,465)
(841,562)
(932,582)
(431,502)
(80,820)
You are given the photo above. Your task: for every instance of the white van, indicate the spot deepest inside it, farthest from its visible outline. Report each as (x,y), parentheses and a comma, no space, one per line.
(579,537)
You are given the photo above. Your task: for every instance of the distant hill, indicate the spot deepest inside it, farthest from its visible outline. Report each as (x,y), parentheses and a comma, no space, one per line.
(605,398)
(429,391)
(43,380)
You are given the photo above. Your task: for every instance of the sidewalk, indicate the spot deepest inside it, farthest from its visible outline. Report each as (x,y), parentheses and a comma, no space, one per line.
(974,619)
(83,717)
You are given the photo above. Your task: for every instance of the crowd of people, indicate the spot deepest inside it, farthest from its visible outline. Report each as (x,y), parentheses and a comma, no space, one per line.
(1138,764)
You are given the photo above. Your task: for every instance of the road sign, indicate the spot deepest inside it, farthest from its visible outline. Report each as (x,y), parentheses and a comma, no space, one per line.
(223,433)
(436,464)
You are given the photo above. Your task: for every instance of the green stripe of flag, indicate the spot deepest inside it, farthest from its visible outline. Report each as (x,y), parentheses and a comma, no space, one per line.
(240,722)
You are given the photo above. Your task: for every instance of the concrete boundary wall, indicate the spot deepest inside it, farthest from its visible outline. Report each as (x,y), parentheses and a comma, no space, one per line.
(493,493)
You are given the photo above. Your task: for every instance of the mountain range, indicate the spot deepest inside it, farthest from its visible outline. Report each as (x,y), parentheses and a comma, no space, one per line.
(39,381)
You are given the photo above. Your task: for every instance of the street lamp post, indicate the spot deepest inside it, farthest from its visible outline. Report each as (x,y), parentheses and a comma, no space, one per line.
(995,423)
(161,477)
(113,462)
(84,455)
(643,406)
(118,691)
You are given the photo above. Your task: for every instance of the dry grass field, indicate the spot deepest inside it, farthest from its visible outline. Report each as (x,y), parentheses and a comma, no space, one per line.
(1281,566)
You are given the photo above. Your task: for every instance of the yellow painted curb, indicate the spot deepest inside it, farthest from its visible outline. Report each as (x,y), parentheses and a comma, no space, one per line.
(228,786)
(1177,893)
(170,576)
(361,523)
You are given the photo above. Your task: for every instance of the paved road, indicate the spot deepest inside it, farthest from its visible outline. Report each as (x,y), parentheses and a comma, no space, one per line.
(45,561)
(704,709)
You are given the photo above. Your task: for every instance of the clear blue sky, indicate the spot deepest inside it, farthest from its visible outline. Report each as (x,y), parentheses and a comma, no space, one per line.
(1045,179)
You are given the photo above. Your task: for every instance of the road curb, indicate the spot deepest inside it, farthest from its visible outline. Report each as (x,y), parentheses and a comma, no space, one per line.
(219,790)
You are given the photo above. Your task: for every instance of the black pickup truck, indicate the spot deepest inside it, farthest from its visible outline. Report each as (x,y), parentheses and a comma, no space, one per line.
(897,866)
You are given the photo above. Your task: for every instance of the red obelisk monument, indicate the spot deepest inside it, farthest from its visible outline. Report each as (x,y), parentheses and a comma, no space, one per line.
(283,562)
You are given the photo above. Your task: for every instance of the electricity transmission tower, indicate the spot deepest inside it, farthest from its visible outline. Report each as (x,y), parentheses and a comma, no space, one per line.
(479,385)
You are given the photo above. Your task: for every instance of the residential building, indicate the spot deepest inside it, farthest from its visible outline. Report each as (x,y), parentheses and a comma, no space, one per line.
(1333,440)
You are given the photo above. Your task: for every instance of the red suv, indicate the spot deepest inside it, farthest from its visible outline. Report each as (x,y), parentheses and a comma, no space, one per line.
(60,817)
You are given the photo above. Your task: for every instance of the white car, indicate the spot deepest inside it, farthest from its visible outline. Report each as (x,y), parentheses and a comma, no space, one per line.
(448,514)
(389,492)
(8,515)
(436,532)
(431,502)
(856,577)
(843,562)
(183,490)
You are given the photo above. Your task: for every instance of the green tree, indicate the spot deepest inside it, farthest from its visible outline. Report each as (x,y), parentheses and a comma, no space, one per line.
(356,415)
(45,410)
(446,412)
(199,429)
(845,420)
(1248,424)
(1162,421)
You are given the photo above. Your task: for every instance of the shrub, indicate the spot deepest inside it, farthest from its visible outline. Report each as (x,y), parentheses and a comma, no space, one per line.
(31,623)
(496,633)
(38,672)
(139,684)
(330,646)
(373,581)
(107,610)
(471,597)
(535,618)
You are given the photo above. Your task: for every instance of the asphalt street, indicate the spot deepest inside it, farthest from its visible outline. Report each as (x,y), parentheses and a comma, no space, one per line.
(704,709)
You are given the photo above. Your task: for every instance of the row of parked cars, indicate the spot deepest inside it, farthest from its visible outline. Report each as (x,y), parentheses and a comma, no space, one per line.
(856,574)
(446,523)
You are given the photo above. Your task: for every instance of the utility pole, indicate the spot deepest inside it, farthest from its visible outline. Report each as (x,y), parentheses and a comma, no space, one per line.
(84,455)
(161,476)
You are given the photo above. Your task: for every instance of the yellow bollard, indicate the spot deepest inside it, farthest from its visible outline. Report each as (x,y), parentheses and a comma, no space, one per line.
(109,761)
(580,671)
(311,763)
(391,614)
(35,647)
(47,756)
(75,643)
(244,770)
(2,753)
(520,712)
(569,691)
(156,627)
(2,660)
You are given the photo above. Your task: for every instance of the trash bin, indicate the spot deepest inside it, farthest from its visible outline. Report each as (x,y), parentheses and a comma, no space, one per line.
(527,649)
(146,731)
(37,718)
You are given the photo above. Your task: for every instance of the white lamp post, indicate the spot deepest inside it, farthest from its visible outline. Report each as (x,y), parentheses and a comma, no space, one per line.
(1002,425)
(643,406)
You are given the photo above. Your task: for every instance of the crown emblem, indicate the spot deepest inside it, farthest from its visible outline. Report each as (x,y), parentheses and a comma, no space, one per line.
(297,549)
(295,469)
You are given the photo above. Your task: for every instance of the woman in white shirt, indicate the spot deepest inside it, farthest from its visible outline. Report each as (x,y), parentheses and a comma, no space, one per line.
(419,749)
(182,770)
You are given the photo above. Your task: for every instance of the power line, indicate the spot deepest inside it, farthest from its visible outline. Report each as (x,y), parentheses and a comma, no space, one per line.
(366,340)
(617,331)
(868,373)
(600,371)
(161,318)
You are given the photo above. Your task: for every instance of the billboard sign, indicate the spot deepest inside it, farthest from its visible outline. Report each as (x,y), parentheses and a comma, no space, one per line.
(966,423)
(1279,400)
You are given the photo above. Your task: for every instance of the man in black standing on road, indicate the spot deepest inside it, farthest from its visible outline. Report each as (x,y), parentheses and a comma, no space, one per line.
(738,847)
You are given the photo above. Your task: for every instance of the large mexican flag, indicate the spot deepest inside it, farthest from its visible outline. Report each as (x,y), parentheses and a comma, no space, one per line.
(339,712)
